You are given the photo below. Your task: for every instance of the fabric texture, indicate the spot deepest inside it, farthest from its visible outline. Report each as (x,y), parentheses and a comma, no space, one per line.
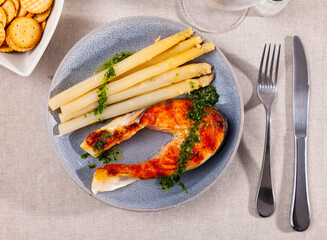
(38,200)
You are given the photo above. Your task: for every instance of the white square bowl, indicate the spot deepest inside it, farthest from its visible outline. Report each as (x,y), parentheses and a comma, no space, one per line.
(24,63)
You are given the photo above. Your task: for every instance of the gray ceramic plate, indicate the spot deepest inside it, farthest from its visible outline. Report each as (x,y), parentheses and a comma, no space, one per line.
(133,34)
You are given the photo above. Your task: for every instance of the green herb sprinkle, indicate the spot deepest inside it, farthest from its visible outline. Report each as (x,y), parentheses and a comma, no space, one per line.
(109,75)
(202,99)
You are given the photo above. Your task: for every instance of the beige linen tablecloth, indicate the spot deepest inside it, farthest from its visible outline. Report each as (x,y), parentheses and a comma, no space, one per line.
(39,201)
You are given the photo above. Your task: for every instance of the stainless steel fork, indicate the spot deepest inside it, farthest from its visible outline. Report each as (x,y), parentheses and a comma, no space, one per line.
(267,91)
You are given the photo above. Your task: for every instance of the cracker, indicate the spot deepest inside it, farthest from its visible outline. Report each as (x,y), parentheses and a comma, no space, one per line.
(9,8)
(2,34)
(43,24)
(36,6)
(24,32)
(17,4)
(5,48)
(42,16)
(3,17)
(30,15)
(15,47)
(22,12)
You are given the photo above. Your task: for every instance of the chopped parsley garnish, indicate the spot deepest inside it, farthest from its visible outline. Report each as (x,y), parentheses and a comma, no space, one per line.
(83,156)
(113,154)
(113,60)
(206,96)
(107,135)
(91,166)
(99,144)
(108,156)
(109,74)
(101,120)
(203,98)
(102,91)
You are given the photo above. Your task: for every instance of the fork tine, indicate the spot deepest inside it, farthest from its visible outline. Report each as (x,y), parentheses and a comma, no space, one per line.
(277,65)
(271,67)
(260,69)
(267,60)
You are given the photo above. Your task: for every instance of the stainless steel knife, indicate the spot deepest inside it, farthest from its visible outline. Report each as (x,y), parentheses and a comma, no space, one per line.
(300,210)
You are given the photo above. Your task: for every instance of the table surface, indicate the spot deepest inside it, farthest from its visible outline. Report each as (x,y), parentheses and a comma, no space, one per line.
(39,201)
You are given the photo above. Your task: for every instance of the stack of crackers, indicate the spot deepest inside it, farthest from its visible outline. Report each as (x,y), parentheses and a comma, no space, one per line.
(22,23)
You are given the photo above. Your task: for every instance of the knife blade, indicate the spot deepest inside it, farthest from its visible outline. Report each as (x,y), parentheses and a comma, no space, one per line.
(300,209)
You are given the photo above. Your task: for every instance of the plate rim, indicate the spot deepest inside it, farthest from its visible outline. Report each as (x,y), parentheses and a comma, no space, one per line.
(240,133)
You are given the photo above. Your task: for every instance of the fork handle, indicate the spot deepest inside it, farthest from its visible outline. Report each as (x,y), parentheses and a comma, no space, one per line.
(265,202)
(300,211)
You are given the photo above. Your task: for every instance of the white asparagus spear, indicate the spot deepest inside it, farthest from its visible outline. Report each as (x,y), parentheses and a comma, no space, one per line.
(132,61)
(172,77)
(181,47)
(137,103)
(137,77)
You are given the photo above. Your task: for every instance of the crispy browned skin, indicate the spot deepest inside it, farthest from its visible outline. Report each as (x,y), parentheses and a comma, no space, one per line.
(169,117)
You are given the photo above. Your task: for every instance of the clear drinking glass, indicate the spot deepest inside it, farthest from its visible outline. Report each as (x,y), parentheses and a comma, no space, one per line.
(223,15)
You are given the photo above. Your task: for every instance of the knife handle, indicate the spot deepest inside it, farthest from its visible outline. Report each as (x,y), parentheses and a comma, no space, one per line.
(300,212)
